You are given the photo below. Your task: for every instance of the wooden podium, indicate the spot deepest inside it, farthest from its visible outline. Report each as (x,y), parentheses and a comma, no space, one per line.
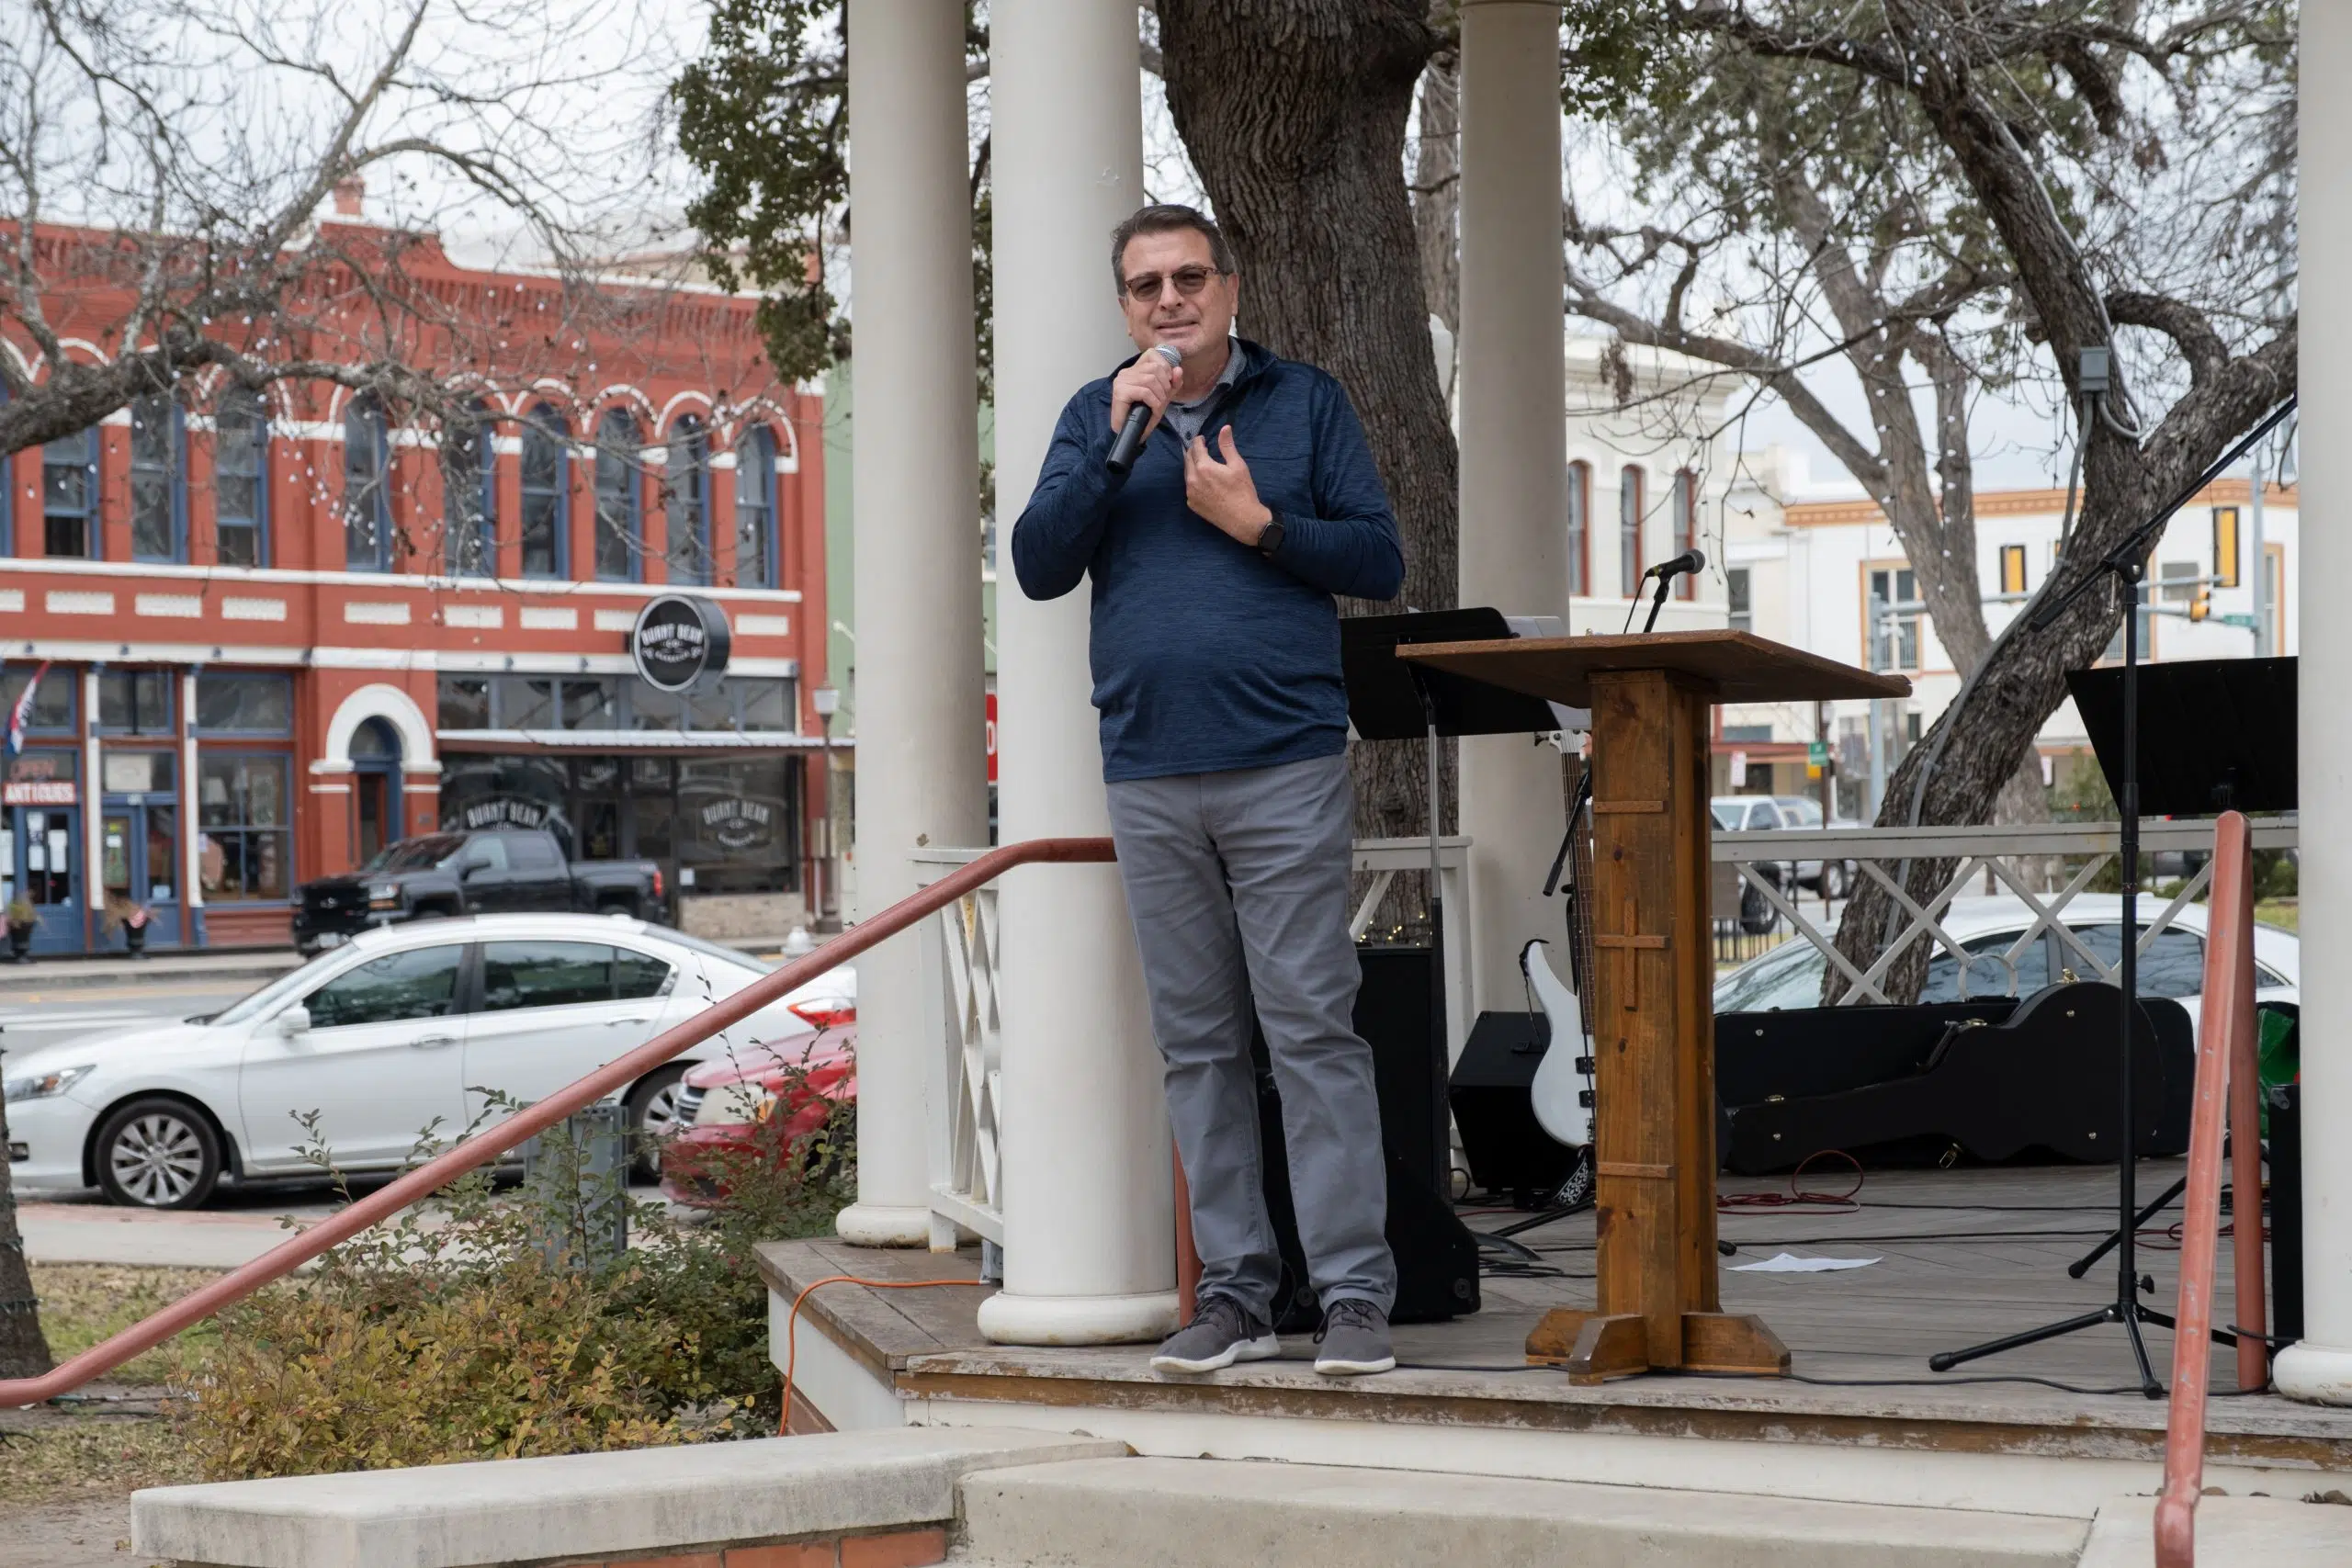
(1654,1129)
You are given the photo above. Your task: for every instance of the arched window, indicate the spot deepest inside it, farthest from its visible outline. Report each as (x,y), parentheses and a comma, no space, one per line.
(685,491)
(547,486)
(241,479)
(158,498)
(756,563)
(366,487)
(1685,529)
(1580,527)
(1630,564)
(470,494)
(69,495)
(620,520)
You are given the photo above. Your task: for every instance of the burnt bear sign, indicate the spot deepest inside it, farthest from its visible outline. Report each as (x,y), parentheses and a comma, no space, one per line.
(678,640)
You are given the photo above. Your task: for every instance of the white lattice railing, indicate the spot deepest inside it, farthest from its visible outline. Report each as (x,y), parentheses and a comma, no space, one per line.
(966,1067)
(2014,857)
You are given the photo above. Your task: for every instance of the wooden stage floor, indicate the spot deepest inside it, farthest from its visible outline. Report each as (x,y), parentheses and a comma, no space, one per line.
(1960,1257)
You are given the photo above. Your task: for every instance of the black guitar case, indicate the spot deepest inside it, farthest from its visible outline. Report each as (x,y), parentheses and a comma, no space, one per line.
(1995,1078)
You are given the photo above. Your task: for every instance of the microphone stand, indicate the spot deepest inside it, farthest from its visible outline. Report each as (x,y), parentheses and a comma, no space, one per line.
(2127,565)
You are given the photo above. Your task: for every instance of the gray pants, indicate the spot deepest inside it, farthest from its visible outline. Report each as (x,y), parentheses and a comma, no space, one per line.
(1238,884)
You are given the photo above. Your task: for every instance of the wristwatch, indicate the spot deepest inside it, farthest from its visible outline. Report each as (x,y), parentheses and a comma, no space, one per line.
(1270,537)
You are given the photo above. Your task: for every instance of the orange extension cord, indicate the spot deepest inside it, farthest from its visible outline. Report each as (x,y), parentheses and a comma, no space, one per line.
(792,1324)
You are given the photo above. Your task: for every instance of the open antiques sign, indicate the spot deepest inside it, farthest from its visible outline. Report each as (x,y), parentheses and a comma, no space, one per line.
(678,640)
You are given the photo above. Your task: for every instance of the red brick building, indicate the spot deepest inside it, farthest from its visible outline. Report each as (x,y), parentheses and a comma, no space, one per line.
(280,630)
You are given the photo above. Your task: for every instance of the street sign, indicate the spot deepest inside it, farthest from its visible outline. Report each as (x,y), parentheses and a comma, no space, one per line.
(1817,754)
(2244,623)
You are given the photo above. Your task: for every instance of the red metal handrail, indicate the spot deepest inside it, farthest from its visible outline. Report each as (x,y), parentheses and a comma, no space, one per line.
(439,1171)
(2226,1079)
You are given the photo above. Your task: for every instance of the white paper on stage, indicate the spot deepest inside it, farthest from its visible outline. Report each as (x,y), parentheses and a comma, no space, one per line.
(1789,1263)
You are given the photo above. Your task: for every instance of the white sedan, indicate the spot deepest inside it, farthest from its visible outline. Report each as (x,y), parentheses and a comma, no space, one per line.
(407,1028)
(2001,962)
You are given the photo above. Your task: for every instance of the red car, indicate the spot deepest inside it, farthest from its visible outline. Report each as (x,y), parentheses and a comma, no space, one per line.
(730,1110)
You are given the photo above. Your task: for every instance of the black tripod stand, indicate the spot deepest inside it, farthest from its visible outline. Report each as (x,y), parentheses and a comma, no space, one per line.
(2127,564)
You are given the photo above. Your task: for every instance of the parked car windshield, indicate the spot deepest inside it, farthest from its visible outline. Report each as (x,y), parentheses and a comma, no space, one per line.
(293,983)
(415,854)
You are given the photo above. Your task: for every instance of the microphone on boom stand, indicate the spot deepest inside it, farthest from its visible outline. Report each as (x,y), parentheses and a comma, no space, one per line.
(1130,441)
(1691,561)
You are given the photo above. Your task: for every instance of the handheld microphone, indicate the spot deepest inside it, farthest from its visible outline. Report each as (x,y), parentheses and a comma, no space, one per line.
(1130,441)
(1692,561)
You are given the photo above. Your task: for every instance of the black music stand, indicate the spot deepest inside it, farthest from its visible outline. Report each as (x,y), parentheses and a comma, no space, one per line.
(2243,713)
(1389,699)
(2119,754)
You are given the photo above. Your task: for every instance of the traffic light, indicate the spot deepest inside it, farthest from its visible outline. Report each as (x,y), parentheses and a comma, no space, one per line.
(2201,605)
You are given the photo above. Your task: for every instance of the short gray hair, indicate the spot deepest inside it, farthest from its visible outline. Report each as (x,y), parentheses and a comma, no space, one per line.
(1161,218)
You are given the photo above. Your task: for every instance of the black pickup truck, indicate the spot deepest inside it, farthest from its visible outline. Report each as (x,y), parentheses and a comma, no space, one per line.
(503,872)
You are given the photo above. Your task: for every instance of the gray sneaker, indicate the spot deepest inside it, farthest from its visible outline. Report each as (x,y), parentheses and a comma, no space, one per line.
(1353,1340)
(1221,1332)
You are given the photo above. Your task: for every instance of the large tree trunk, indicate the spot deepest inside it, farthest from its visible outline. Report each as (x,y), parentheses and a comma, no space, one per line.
(2124,484)
(24,1352)
(1294,112)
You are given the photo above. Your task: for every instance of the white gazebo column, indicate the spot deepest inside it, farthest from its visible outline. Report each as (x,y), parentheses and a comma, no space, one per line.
(1514,454)
(1089,1243)
(2320,1367)
(922,759)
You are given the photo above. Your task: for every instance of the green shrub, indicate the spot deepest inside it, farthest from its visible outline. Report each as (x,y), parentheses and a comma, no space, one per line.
(461,1333)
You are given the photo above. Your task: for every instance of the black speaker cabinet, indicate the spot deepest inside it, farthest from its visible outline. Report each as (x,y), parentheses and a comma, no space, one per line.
(1437,1256)
(1508,1149)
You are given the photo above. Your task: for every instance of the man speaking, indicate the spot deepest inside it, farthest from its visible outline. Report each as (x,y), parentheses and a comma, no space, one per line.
(1215,534)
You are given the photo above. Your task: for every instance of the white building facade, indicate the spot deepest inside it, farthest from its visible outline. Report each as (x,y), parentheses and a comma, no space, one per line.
(1804,564)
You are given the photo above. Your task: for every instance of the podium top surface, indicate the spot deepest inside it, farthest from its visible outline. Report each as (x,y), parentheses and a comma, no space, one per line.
(1735,667)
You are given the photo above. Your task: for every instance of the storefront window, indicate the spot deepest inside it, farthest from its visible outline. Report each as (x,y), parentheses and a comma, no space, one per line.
(737,824)
(244,705)
(137,701)
(652,709)
(464,701)
(507,791)
(53,708)
(591,705)
(523,702)
(246,850)
(766,705)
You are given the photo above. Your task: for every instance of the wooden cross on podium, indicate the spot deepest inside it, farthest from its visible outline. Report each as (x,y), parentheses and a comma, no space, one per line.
(1654,1127)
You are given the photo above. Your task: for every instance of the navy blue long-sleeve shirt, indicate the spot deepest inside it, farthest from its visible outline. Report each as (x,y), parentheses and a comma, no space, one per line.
(1206,655)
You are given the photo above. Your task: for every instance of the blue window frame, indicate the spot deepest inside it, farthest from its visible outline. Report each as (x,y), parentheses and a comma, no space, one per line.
(240,481)
(158,479)
(685,490)
(620,508)
(547,491)
(69,495)
(366,487)
(756,562)
(470,494)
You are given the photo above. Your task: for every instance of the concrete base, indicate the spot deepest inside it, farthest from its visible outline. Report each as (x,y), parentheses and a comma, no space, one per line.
(2319,1374)
(583,1505)
(2232,1532)
(879,1224)
(1155,1513)
(1008,1319)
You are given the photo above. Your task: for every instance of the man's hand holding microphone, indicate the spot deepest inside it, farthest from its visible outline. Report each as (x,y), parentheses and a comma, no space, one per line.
(1139,396)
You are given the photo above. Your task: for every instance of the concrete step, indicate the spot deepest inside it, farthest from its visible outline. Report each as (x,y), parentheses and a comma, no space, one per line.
(1168,1513)
(2232,1532)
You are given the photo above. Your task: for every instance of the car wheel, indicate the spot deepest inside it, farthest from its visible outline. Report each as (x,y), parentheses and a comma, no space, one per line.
(1833,881)
(158,1153)
(656,1113)
(1756,916)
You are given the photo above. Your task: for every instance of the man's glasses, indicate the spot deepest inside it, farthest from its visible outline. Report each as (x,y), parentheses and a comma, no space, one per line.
(1189,282)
